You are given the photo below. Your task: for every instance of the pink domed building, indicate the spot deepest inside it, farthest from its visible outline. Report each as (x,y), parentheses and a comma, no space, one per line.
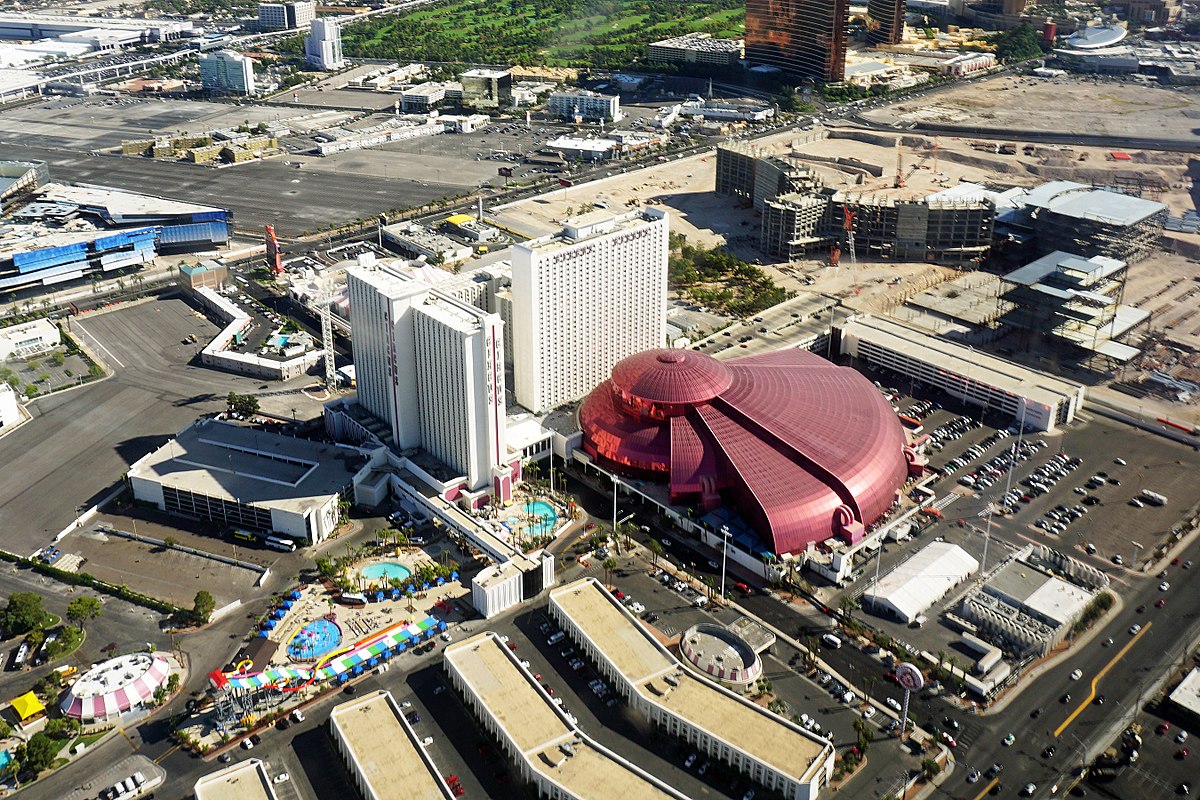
(803,449)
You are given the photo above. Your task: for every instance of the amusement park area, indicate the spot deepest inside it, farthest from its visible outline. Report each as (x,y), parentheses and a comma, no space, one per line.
(362,611)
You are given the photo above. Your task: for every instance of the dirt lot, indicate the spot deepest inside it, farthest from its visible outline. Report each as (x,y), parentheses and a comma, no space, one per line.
(1062,104)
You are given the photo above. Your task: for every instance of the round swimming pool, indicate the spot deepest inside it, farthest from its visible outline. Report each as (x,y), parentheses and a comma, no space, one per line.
(314,640)
(385,572)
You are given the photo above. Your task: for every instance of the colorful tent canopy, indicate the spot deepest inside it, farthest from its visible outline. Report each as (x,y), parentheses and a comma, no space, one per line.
(27,705)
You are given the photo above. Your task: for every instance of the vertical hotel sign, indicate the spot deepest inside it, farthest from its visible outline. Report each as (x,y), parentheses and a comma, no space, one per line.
(274,256)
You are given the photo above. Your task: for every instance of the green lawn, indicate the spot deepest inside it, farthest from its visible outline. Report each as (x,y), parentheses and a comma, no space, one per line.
(603,33)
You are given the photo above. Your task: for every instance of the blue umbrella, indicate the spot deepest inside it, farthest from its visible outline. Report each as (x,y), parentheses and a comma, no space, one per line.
(440,581)
(295,595)
(441,626)
(453,576)
(374,662)
(409,588)
(263,634)
(395,593)
(401,647)
(379,597)
(424,587)
(288,604)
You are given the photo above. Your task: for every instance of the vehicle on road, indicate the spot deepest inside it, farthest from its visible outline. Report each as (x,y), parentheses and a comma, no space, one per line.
(995,770)
(1182,737)
(1066,698)
(1077,674)
(1133,629)
(869,712)
(1009,740)
(1164,586)
(690,760)
(1029,789)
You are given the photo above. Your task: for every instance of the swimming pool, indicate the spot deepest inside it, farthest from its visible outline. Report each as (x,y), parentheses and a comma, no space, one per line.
(541,518)
(314,640)
(278,340)
(385,572)
(5,757)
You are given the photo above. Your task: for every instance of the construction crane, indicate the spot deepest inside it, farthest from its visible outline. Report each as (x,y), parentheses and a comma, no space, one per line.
(900,163)
(848,225)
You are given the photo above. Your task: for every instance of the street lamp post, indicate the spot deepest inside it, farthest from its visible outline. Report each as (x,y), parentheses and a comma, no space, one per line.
(1137,546)
(724,551)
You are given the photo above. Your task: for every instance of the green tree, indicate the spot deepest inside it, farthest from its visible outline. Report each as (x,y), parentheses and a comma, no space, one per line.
(38,753)
(58,359)
(83,609)
(24,613)
(96,371)
(173,683)
(203,605)
(610,565)
(243,404)
(62,728)
(170,542)
(656,549)
(1018,44)
(930,769)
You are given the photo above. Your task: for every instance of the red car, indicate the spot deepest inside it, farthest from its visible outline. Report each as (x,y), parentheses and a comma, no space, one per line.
(1175,561)
(1160,602)
(1183,753)
(1162,729)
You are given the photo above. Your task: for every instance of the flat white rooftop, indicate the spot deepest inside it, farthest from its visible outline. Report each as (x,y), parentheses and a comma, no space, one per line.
(386,751)
(538,728)
(244,780)
(647,664)
(244,465)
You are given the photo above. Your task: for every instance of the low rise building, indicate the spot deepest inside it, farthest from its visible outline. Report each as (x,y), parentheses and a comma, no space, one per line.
(772,751)
(1186,696)
(241,780)
(416,242)
(729,112)
(916,583)
(1032,602)
(382,752)
(427,96)
(549,749)
(245,478)
(28,339)
(576,148)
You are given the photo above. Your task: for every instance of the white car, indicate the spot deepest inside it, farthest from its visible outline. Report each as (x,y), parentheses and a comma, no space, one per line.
(1164,586)
(282,777)
(446,636)
(974,776)
(1182,737)
(1134,629)
(1029,789)
(870,712)
(1077,674)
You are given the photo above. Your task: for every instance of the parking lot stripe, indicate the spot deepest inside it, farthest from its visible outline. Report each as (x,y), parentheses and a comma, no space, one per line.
(99,344)
(987,788)
(1096,680)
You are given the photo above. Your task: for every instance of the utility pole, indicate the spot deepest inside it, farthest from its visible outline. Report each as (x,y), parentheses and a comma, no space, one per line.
(724,551)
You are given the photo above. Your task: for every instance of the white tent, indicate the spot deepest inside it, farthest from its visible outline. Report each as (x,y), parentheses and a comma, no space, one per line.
(918,583)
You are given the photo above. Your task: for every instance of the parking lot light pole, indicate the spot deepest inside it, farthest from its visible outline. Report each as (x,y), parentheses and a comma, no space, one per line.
(724,552)
(1137,547)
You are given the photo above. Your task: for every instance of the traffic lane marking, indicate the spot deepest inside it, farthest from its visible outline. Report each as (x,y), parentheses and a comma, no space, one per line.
(992,783)
(1096,680)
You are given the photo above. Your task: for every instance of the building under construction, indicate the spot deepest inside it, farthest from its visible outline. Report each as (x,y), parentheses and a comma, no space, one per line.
(755,176)
(956,232)
(1076,302)
(1082,219)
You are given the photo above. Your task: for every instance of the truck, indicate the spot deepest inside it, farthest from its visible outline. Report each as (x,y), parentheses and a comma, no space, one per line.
(1153,498)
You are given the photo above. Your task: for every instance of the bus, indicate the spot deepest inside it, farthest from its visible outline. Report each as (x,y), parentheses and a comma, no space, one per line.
(245,536)
(276,543)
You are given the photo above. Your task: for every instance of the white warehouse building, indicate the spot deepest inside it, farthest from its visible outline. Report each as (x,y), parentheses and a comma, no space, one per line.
(773,751)
(920,581)
(585,298)
(246,478)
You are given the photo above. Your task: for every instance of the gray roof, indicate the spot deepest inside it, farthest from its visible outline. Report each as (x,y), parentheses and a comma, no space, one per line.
(1066,269)
(1085,202)
(250,466)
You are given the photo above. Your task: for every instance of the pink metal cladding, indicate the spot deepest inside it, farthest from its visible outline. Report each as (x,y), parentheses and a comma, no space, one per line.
(788,437)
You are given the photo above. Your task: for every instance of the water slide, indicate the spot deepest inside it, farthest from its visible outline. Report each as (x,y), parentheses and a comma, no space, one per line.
(332,664)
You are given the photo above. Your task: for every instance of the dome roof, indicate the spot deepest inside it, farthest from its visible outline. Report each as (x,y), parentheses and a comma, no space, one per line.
(802,448)
(676,377)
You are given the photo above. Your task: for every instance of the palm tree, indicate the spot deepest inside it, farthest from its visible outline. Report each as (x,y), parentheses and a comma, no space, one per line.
(869,683)
(941,657)
(656,549)
(609,564)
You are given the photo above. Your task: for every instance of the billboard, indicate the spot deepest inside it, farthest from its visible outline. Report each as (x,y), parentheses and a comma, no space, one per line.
(274,256)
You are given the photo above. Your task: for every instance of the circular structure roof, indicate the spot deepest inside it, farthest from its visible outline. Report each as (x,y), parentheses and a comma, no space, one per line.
(720,653)
(1097,36)
(113,687)
(673,377)
(802,448)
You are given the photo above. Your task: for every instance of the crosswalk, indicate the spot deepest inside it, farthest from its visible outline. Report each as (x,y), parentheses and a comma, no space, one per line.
(942,503)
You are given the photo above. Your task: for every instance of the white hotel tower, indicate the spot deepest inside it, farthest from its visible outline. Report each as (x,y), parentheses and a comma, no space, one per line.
(584,299)
(433,368)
